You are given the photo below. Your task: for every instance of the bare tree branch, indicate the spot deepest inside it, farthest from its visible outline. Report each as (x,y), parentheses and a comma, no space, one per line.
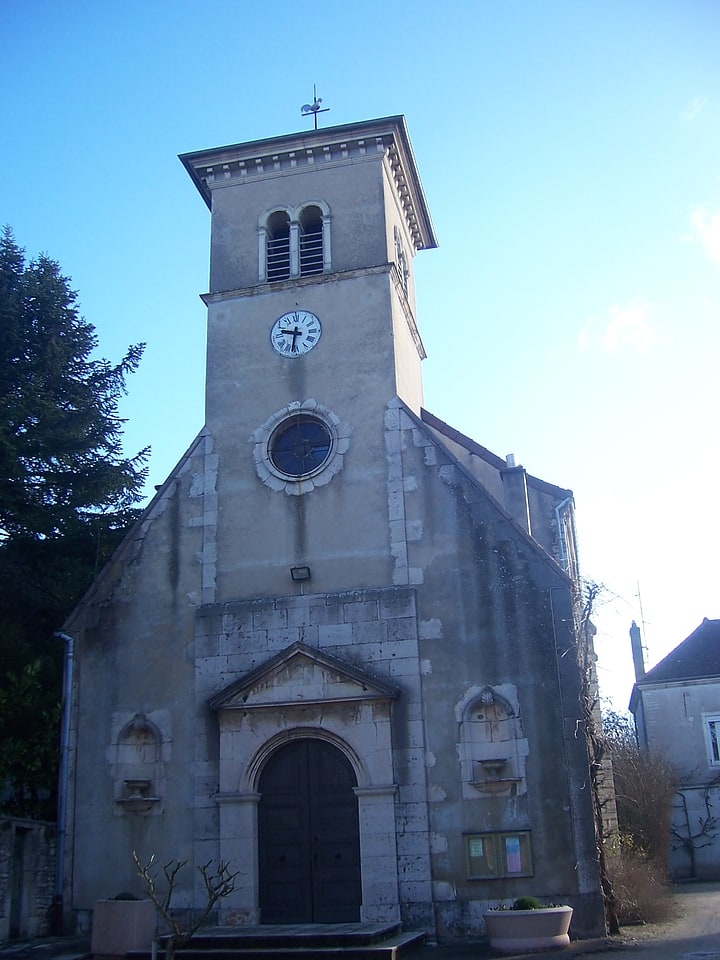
(218,884)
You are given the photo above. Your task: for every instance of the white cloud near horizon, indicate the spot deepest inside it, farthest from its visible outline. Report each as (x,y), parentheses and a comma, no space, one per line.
(706,227)
(694,107)
(624,327)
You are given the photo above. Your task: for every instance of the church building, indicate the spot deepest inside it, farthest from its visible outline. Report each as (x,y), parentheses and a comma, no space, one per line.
(340,650)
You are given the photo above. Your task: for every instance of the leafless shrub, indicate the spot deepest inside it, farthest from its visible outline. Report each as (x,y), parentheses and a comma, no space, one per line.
(641,888)
(645,786)
(218,883)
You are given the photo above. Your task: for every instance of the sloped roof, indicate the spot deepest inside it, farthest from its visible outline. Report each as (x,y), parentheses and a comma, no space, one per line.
(437,430)
(696,658)
(484,454)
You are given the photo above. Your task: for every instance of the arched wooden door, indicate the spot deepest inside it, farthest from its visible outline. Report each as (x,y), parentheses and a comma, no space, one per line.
(309,843)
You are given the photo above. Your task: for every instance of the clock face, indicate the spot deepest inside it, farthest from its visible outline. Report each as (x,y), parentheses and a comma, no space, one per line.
(295,333)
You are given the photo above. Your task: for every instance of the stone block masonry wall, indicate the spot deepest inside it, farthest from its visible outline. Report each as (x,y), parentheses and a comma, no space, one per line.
(27,877)
(374,630)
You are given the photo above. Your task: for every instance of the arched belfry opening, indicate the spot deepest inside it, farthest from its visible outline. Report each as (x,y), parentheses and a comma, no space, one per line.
(278,246)
(308,836)
(310,225)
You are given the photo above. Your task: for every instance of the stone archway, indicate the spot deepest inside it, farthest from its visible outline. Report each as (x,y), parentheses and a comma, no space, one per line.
(308,836)
(296,696)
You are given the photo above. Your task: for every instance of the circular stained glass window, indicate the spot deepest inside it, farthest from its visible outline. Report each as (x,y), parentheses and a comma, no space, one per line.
(300,446)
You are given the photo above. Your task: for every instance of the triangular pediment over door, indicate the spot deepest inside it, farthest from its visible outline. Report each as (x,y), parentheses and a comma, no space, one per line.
(302,699)
(302,676)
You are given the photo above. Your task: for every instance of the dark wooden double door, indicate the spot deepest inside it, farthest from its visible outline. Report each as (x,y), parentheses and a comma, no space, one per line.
(309,843)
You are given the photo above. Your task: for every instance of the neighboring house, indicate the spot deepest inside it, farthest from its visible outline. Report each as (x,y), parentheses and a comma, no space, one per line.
(676,706)
(341,649)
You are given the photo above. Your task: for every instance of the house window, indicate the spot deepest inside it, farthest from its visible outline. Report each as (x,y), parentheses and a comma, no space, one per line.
(712,736)
(491,855)
(277,233)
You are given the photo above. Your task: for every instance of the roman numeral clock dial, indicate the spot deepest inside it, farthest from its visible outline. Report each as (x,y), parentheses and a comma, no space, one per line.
(295,334)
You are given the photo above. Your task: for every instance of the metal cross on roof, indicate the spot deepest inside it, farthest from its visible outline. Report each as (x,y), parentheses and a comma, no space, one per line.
(314,108)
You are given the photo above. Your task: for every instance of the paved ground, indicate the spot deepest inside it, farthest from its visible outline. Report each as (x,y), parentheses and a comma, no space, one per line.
(692,934)
(48,948)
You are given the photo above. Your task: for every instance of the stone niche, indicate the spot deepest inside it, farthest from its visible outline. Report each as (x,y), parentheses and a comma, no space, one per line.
(137,765)
(492,749)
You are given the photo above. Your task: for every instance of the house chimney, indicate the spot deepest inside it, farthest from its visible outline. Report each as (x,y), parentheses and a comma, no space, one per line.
(514,480)
(637,651)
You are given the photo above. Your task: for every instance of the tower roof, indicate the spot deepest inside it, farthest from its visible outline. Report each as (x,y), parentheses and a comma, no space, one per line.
(311,149)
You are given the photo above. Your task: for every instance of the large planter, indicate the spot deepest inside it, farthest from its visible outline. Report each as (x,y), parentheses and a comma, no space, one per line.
(122,925)
(514,931)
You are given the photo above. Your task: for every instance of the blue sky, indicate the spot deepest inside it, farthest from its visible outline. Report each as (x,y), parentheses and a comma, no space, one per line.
(569,153)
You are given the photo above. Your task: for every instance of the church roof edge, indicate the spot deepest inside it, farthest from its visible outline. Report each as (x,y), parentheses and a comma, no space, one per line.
(304,137)
(479,451)
(253,156)
(437,429)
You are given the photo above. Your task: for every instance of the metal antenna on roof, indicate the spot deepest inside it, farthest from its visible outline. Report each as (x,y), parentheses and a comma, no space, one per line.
(313,108)
(642,615)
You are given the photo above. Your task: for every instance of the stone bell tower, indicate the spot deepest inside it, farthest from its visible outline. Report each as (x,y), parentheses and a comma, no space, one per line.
(326,222)
(311,332)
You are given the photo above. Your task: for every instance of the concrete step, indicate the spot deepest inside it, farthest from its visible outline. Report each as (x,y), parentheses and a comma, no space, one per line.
(341,941)
(394,947)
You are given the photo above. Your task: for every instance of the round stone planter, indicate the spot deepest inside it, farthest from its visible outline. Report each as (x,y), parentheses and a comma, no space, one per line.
(515,931)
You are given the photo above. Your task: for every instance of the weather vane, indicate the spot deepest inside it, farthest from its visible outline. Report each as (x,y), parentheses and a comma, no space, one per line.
(314,108)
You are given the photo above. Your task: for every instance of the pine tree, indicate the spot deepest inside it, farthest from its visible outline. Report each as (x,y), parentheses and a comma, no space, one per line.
(67,494)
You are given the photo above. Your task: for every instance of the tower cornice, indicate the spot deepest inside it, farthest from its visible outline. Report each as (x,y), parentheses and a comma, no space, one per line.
(350,143)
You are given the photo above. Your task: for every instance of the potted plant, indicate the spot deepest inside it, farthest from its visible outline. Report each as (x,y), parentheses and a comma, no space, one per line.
(528,925)
(121,924)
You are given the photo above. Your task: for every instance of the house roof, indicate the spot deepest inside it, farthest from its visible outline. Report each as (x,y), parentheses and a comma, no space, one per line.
(696,658)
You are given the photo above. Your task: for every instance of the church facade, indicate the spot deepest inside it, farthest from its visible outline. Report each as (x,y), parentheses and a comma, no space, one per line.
(340,649)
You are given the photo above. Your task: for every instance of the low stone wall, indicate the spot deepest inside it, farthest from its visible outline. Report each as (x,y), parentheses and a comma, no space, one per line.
(27,877)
